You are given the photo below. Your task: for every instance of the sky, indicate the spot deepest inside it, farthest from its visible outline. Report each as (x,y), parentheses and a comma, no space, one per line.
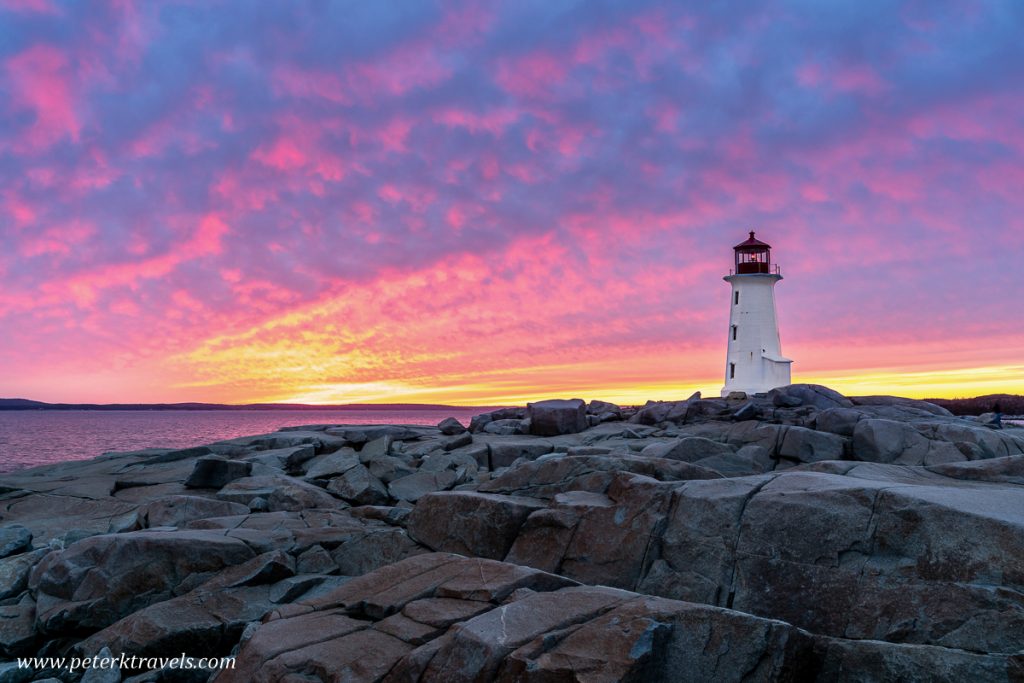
(496,202)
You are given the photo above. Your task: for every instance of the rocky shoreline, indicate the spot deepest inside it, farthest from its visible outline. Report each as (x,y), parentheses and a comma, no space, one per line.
(799,535)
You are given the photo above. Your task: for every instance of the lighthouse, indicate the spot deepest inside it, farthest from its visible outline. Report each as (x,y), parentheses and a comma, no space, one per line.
(754,362)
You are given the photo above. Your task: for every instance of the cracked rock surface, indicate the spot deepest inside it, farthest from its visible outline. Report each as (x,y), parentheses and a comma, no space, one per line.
(827,538)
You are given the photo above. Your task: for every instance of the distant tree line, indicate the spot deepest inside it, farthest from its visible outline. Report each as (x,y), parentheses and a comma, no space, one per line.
(1009,404)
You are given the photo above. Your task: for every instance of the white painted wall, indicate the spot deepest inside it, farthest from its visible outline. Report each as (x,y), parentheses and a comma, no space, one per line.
(756,350)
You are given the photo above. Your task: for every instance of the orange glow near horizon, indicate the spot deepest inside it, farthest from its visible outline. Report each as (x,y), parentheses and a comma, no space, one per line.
(452,208)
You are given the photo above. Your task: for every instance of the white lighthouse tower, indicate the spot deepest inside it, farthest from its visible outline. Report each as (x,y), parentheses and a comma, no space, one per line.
(754,362)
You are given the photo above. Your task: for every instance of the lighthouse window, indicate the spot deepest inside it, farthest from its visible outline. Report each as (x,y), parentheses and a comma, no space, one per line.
(732,370)
(736,301)
(734,333)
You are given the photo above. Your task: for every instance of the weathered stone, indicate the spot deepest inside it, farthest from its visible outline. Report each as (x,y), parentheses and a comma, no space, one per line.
(481,644)
(458,441)
(331,464)
(857,660)
(687,449)
(806,445)
(1009,469)
(781,399)
(658,640)
(202,623)
(813,395)
(547,477)
(358,487)
(841,421)
(505,452)
(14,539)
(656,412)
(610,541)
(15,570)
(213,472)
(606,411)
(377,448)
(450,426)
(477,524)
(557,416)
(281,493)
(899,401)
(315,560)
(415,486)
(748,411)
(12,672)
(364,433)
(888,441)
(443,612)
(388,468)
(373,549)
(17,627)
(293,587)
(506,427)
(103,674)
(179,510)
(101,579)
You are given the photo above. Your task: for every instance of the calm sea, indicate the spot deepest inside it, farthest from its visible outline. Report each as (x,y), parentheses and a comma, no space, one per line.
(38,437)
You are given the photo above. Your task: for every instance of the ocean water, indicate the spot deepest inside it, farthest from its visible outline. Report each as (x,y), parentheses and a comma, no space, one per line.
(39,437)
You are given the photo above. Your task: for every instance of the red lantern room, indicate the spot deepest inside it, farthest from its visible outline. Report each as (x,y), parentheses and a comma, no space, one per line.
(753,256)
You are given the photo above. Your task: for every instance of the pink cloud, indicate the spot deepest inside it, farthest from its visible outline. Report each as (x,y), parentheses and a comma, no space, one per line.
(40,81)
(494,121)
(31,6)
(83,288)
(59,239)
(531,75)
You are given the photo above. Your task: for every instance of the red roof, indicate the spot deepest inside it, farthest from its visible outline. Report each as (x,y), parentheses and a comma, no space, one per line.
(751,244)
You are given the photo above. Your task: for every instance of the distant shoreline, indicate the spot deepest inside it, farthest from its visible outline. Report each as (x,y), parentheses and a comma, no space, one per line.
(10,404)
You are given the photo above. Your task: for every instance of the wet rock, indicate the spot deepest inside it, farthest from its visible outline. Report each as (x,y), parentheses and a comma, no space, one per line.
(214,472)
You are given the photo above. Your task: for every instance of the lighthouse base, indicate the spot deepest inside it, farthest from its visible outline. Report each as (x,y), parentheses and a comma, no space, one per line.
(774,372)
